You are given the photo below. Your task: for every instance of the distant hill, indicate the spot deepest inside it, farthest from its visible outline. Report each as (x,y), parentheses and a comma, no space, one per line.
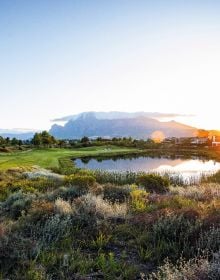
(138,125)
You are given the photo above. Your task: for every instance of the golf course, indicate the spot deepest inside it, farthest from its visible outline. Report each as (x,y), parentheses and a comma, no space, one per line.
(49,158)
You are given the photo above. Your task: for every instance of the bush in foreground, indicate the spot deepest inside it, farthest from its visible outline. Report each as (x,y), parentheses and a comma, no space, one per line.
(199,268)
(153,183)
(83,230)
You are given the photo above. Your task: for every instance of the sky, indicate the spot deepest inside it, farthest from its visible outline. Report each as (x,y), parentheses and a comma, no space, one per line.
(60,58)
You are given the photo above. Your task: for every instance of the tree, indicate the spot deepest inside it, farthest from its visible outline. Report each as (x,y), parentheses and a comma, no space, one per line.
(61,143)
(46,138)
(2,140)
(36,140)
(43,138)
(14,141)
(84,140)
(20,142)
(7,140)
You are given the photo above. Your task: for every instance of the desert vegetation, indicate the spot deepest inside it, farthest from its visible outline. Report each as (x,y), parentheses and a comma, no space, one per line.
(81,224)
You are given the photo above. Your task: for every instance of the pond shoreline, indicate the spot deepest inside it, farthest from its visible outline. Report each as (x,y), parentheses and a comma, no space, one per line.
(164,162)
(211,154)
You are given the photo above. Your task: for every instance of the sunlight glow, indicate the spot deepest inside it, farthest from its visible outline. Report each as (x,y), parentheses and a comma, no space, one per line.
(157,136)
(191,166)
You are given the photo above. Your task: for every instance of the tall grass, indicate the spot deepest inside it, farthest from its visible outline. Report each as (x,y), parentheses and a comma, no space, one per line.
(197,268)
(129,177)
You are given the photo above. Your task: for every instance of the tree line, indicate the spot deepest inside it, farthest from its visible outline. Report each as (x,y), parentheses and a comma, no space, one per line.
(45,139)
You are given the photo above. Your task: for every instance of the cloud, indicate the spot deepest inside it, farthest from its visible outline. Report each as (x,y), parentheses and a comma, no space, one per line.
(116,114)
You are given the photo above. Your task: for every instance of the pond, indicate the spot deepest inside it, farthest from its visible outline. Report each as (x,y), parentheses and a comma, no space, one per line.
(188,168)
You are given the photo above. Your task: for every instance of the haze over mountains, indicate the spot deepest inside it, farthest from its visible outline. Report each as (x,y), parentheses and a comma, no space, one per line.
(119,124)
(17,133)
(111,124)
(119,115)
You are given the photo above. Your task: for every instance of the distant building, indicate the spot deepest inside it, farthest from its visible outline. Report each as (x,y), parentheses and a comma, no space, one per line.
(187,140)
(183,141)
(170,140)
(199,140)
(215,141)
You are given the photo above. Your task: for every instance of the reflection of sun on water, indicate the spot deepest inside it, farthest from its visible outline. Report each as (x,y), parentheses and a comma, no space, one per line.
(186,168)
(191,166)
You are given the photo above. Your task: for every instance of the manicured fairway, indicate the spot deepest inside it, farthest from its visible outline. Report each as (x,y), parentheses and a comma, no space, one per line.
(49,157)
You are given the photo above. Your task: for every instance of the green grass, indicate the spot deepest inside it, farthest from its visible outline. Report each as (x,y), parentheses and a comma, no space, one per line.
(49,158)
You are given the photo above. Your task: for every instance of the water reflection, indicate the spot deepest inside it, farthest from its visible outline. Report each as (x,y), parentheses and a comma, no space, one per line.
(187,167)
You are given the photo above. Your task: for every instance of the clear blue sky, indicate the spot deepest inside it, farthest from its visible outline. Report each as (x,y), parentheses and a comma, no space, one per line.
(63,57)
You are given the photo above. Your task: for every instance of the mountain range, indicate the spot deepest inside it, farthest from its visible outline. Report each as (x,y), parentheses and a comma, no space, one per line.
(118,124)
(139,125)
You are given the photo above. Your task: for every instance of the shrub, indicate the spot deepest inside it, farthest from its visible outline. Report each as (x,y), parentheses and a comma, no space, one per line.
(116,193)
(2,230)
(209,241)
(39,184)
(96,189)
(205,192)
(82,182)
(113,268)
(35,272)
(175,202)
(119,178)
(68,193)
(62,207)
(69,265)
(65,193)
(23,186)
(101,241)
(17,203)
(55,228)
(212,220)
(146,219)
(174,236)
(194,269)
(14,251)
(95,205)
(153,183)
(139,199)
(215,178)
(44,184)
(41,209)
(4,191)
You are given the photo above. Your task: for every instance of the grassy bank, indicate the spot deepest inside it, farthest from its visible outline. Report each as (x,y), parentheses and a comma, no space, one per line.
(52,157)
(49,158)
